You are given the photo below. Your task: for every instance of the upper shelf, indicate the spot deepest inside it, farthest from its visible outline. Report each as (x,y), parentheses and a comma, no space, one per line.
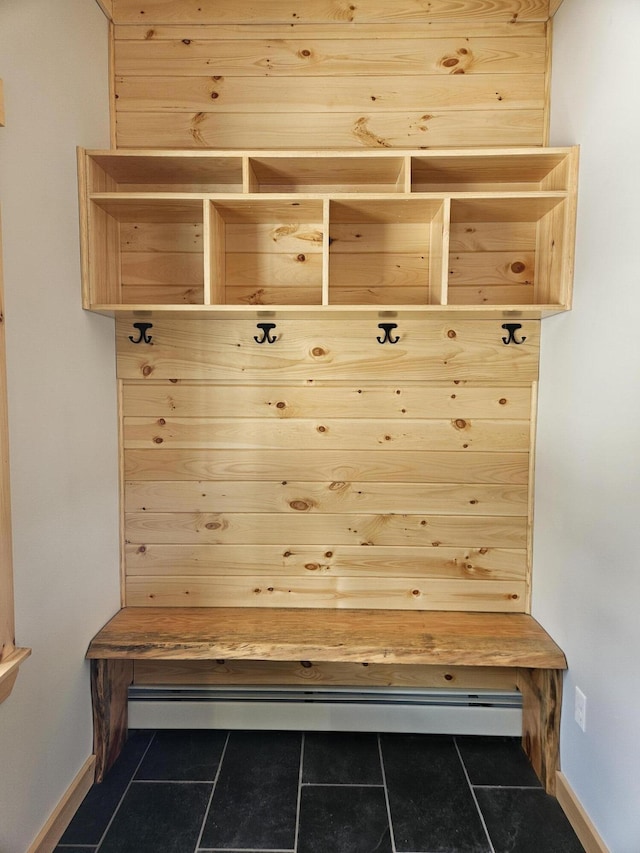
(487,231)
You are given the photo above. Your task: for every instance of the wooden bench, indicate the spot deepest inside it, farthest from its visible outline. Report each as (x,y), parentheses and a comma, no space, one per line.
(440,638)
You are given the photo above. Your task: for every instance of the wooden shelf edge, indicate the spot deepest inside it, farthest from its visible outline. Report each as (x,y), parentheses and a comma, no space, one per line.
(218,312)
(9,671)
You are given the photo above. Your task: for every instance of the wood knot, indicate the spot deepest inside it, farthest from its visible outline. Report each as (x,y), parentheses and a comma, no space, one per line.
(287,554)
(312,567)
(300,506)
(213,525)
(281,405)
(142,549)
(186,41)
(460,423)
(161,421)
(306,664)
(322,429)
(305,52)
(302,258)
(503,401)
(451,333)
(337,486)
(147,370)
(517,267)
(328,554)
(318,352)
(158,440)
(450,61)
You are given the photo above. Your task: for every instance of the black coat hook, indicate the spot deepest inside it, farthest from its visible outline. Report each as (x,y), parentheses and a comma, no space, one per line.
(512,328)
(143,337)
(387,327)
(267,337)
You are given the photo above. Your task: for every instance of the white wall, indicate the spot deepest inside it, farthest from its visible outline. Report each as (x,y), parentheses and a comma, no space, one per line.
(587,521)
(63,429)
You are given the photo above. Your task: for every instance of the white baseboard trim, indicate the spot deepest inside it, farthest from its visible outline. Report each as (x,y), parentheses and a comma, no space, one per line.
(60,817)
(578,818)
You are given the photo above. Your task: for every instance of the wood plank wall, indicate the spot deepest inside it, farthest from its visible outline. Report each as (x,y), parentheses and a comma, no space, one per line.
(330,73)
(327,469)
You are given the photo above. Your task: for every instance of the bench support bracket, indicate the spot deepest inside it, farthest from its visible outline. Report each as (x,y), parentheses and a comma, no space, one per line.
(110,680)
(541,705)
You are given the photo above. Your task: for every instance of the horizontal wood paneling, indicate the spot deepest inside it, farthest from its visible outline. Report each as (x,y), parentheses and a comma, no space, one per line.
(318,11)
(402,400)
(358,529)
(381,593)
(292,487)
(424,128)
(429,349)
(326,434)
(340,496)
(313,673)
(435,466)
(382,93)
(352,75)
(215,51)
(313,560)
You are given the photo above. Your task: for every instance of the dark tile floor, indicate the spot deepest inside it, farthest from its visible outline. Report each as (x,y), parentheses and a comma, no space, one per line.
(188,791)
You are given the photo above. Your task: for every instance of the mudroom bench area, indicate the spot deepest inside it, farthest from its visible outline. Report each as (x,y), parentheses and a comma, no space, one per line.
(327,367)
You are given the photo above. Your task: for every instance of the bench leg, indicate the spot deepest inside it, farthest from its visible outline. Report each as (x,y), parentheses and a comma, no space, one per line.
(541,705)
(110,680)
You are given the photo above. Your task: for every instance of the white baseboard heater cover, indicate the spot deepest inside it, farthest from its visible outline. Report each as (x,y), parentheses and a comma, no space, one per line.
(425,711)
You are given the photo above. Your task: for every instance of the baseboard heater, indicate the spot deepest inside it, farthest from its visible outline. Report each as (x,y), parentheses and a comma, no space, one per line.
(427,710)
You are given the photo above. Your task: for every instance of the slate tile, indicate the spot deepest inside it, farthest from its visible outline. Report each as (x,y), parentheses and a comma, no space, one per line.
(158,817)
(432,807)
(255,801)
(341,759)
(526,821)
(347,819)
(497,761)
(92,817)
(183,756)
(76,848)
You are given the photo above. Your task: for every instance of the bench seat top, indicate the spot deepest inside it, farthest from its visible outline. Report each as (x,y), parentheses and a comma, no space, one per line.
(319,634)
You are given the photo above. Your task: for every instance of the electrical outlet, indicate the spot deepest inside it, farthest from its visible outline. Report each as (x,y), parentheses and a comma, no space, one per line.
(581,709)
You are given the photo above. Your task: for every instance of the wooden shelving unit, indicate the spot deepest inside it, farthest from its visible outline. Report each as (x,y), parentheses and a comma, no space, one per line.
(489,232)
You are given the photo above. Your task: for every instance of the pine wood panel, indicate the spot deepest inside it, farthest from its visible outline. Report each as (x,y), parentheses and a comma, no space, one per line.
(318,11)
(343,434)
(429,349)
(353,593)
(427,127)
(192,528)
(434,466)
(203,52)
(403,400)
(263,491)
(336,496)
(461,30)
(312,560)
(315,674)
(445,639)
(227,94)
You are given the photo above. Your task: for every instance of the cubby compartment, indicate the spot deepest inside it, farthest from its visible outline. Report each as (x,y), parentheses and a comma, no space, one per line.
(164,171)
(145,251)
(423,229)
(327,172)
(386,251)
(492,171)
(267,251)
(509,251)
